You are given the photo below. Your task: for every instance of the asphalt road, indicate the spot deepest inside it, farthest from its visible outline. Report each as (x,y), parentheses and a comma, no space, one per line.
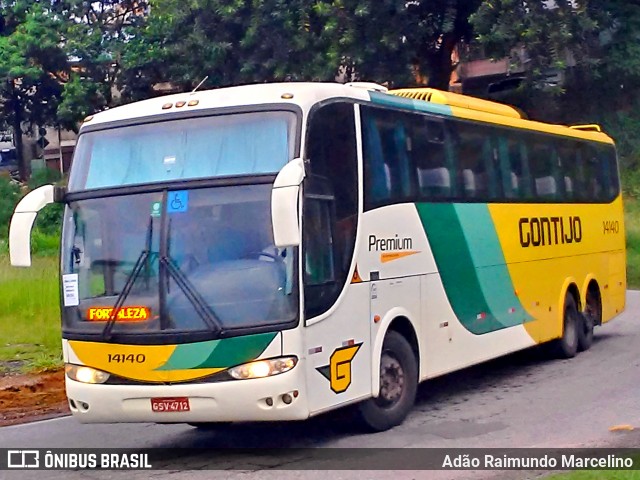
(523,400)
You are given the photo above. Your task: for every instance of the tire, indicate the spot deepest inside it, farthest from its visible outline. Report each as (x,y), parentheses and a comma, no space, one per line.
(592,316)
(567,345)
(585,332)
(398,386)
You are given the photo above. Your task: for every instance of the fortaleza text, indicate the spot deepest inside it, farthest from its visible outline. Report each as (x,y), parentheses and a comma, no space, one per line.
(541,462)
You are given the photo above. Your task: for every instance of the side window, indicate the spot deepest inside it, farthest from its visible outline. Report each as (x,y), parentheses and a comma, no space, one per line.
(609,171)
(514,166)
(613,167)
(477,155)
(330,213)
(389,148)
(570,183)
(434,171)
(595,183)
(543,165)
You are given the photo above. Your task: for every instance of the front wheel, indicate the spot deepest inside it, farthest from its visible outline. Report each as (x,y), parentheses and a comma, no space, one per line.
(398,386)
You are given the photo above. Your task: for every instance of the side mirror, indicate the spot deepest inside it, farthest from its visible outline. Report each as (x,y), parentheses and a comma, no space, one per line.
(284,204)
(22,221)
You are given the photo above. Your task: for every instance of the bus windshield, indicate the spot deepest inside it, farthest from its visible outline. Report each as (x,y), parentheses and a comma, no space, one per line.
(189,148)
(192,260)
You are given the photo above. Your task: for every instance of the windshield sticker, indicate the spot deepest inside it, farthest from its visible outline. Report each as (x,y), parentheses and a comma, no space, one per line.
(156,209)
(178,201)
(70,290)
(125,314)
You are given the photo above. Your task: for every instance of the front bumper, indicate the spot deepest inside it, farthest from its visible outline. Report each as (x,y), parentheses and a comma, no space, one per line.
(230,401)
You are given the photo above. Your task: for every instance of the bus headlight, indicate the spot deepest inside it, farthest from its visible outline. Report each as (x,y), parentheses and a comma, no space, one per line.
(263,368)
(83,374)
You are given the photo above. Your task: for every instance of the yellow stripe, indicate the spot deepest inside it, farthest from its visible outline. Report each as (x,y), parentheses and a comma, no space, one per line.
(529,125)
(136,362)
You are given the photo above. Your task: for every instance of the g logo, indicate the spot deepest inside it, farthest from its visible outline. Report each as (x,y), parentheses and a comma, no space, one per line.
(338,372)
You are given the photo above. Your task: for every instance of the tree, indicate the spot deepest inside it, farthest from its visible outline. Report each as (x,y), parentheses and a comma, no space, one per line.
(399,42)
(230,42)
(234,42)
(554,35)
(31,63)
(95,34)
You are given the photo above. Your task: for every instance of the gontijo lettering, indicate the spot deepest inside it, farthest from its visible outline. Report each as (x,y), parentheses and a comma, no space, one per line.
(540,231)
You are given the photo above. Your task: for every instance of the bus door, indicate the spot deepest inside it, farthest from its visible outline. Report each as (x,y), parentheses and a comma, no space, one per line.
(337,343)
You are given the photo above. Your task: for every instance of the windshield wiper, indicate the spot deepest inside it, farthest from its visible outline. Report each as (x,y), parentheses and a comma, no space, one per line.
(124,293)
(201,307)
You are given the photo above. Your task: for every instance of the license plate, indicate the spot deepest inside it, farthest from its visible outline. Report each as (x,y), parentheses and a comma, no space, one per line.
(170,404)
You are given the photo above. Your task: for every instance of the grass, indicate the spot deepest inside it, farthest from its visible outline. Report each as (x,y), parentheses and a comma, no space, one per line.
(30,315)
(600,474)
(632,225)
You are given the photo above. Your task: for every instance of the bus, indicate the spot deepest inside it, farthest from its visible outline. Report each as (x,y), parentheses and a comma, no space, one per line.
(272,252)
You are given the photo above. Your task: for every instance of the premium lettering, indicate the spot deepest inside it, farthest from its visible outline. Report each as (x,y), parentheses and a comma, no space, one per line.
(541,231)
(387,244)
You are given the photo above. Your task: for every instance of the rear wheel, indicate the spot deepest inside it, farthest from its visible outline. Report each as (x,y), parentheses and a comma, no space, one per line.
(592,316)
(567,345)
(398,386)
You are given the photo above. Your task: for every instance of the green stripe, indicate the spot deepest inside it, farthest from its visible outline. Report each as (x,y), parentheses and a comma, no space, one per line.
(218,353)
(237,350)
(490,264)
(469,257)
(189,355)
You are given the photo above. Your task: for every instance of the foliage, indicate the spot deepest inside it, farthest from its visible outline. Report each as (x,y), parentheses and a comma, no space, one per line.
(230,42)
(619,43)
(273,40)
(31,62)
(9,197)
(79,98)
(95,34)
(45,237)
(547,37)
(632,231)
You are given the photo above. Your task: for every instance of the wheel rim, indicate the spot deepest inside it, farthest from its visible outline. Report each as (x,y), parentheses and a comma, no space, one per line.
(392,381)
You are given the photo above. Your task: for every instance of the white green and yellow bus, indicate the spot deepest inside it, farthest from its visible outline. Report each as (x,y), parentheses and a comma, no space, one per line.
(272,252)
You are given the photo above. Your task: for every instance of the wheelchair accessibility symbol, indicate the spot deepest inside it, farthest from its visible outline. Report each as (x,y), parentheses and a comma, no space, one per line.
(178,201)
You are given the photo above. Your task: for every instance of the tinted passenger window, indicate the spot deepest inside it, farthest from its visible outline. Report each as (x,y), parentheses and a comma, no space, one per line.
(419,157)
(388,149)
(477,157)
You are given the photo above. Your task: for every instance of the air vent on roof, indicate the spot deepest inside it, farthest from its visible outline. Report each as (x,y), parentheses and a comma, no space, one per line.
(456,100)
